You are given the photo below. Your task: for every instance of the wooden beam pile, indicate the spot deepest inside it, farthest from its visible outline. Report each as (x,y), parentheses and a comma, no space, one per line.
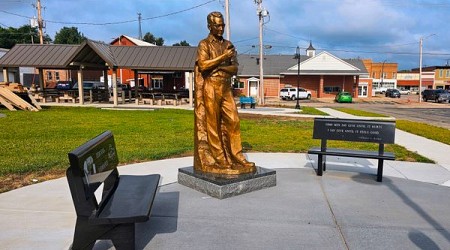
(12,101)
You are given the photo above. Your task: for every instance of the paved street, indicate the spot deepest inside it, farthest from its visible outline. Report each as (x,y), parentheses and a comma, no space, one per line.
(405,108)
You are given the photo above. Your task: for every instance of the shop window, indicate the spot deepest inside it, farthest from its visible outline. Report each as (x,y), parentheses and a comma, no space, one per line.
(331,89)
(238,85)
(157,83)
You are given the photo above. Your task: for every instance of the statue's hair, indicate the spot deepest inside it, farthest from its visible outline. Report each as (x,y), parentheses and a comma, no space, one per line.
(213,15)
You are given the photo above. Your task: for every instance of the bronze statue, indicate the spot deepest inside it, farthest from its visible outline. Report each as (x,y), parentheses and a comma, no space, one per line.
(217,139)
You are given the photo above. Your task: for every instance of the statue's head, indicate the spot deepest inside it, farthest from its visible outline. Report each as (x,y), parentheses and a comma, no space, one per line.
(215,23)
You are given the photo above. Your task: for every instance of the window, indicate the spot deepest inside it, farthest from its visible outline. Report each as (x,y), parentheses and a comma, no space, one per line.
(157,82)
(49,75)
(56,75)
(447,73)
(441,74)
(329,89)
(238,84)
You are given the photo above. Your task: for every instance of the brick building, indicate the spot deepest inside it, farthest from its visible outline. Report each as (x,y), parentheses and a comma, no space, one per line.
(323,74)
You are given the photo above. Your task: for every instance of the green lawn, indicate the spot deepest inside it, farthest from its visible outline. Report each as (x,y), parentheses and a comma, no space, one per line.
(425,130)
(35,142)
(358,112)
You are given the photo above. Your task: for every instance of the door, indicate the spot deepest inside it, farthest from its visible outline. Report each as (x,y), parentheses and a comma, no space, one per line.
(253,88)
(362,90)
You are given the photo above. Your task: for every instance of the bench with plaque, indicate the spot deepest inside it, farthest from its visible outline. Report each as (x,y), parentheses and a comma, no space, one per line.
(371,131)
(125,199)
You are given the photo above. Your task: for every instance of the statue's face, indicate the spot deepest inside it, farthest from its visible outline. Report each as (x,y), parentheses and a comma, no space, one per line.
(217,26)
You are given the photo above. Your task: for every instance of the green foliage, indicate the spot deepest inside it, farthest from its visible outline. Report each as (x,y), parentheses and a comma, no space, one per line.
(359,112)
(150,38)
(68,35)
(182,43)
(25,34)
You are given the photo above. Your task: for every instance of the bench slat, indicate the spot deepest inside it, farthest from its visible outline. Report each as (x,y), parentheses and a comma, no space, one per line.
(353,153)
(131,201)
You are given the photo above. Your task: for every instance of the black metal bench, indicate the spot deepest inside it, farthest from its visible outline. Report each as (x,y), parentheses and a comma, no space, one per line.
(243,100)
(374,131)
(126,200)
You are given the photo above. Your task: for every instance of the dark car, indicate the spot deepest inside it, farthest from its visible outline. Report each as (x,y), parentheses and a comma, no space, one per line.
(438,95)
(87,85)
(64,85)
(392,93)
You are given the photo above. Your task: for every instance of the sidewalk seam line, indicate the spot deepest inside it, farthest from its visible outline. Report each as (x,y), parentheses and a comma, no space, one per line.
(333,215)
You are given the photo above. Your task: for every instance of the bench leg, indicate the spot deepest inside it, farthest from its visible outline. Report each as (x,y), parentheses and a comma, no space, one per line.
(86,234)
(380,170)
(123,236)
(319,164)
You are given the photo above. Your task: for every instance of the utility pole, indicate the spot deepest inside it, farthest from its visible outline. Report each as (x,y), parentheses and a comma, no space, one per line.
(40,22)
(261,14)
(227,19)
(140,30)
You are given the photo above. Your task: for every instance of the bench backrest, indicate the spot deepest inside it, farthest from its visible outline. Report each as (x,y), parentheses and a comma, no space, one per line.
(377,131)
(246,99)
(91,164)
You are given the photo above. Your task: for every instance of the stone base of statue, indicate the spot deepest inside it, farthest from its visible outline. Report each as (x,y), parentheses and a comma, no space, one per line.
(223,186)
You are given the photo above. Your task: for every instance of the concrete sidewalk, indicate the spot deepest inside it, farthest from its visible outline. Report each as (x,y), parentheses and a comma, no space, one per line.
(344,209)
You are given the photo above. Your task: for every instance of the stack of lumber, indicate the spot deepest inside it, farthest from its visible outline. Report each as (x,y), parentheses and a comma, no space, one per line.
(11,100)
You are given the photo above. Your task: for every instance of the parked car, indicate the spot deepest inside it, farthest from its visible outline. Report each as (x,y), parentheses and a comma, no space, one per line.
(291,93)
(64,85)
(404,91)
(343,97)
(438,95)
(381,90)
(87,85)
(392,93)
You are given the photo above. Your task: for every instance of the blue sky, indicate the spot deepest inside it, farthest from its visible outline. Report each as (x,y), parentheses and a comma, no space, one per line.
(378,29)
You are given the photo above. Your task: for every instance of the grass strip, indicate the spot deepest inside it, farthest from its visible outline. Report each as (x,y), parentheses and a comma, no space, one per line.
(358,112)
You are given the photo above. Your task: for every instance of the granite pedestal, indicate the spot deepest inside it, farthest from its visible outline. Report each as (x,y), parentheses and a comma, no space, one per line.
(225,186)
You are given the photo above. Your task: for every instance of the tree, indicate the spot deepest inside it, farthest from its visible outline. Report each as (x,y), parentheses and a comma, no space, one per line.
(150,38)
(25,34)
(68,35)
(182,43)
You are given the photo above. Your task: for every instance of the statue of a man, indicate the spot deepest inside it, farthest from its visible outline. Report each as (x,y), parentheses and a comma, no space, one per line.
(217,139)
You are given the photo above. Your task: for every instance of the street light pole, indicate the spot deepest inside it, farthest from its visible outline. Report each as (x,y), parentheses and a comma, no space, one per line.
(420,69)
(297,55)
(420,65)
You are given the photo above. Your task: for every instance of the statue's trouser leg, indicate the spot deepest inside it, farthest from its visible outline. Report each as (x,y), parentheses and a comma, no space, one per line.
(231,121)
(213,100)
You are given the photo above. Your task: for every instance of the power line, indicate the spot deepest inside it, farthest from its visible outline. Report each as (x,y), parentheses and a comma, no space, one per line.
(114,23)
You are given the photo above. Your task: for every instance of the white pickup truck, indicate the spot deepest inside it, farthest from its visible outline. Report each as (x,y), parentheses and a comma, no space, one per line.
(291,93)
